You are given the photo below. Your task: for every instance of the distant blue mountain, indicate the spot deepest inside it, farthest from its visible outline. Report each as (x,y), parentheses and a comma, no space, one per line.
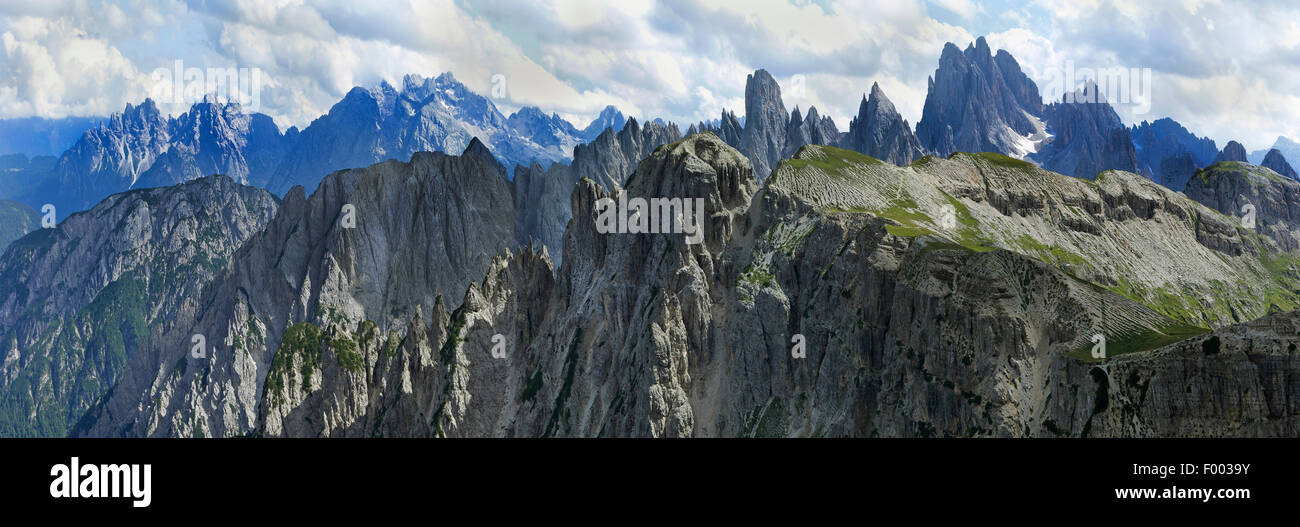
(141,147)
(1165,138)
(426,114)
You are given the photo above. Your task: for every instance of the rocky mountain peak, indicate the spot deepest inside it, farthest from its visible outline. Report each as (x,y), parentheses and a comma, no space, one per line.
(766,122)
(1277,162)
(880,132)
(1233,151)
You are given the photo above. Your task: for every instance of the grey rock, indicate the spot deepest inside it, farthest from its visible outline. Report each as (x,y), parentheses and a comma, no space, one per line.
(422,230)
(766,120)
(542,196)
(913,329)
(1231,186)
(1275,161)
(82,300)
(880,132)
(1088,137)
(1164,139)
(1233,151)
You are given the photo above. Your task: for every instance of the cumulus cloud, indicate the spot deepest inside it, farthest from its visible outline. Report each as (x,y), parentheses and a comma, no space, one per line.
(1222,70)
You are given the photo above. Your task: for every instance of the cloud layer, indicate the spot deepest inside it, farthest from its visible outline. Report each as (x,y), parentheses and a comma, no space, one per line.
(1223,70)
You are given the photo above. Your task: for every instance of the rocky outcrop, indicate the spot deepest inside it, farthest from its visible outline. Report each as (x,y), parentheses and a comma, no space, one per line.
(978,103)
(1164,139)
(766,121)
(542,196)
(436,114)
(141,148)
(1233,151)
(811,129)
(1239,189)
(1175,171)
(880,132)
(1088,137)
(837,300)
(609,118)
(16,220)
(214,138)
(79,301)
(1274,161)
(1289,149)
(107,159)
(381,243)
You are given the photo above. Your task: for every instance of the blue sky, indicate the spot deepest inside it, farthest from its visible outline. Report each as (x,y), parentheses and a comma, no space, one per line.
(1224,69)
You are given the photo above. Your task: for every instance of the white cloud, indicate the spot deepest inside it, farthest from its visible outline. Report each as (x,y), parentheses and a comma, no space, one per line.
(1223,71)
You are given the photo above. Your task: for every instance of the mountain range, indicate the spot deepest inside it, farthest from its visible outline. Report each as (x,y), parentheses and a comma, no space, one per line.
(417,263)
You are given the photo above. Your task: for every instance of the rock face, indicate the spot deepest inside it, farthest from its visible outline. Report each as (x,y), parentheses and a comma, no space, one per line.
(1088,137)
(427,115)
(1274,161)
(1248,371)
(419,230)
(142,148)
(1164,139)
(846,297)
(610,118)
(1230,187)
(811,129)
(1175,171)
(79,301)
(880,132)
(979,103)
(219,139)
(766,121)
(1289,149)
(542,196)
(1233,151)
(16,220)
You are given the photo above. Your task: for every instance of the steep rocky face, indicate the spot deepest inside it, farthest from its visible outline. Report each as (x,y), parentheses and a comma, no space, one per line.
(1275,161)
(1162,139)
(912,324)
(542,196)
(812,129)
(1237,189)
(1233,151)
(880,132)
(978,103)
(766,120)
(550,132)
(1088,137)
(141,148)
(426,115)
(79,301)
(1239,381)
(107,159)
(610,118)
(16,220)
(381,243)
(213,138)
(1175,171)
(1289,149)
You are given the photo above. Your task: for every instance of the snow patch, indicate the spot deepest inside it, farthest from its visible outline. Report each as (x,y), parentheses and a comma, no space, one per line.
(1024,146)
